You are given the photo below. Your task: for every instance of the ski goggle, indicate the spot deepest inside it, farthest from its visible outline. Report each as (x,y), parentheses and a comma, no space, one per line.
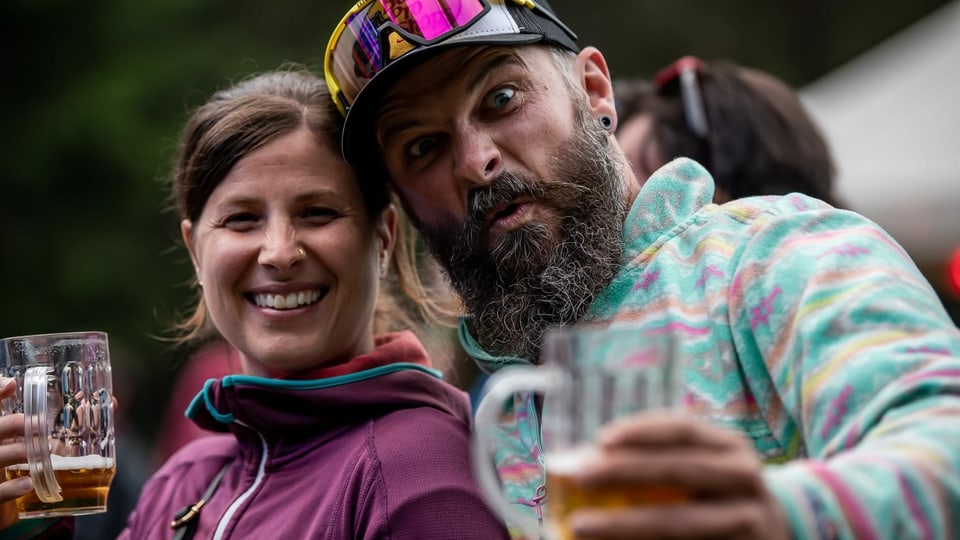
(685,72)
(375,33)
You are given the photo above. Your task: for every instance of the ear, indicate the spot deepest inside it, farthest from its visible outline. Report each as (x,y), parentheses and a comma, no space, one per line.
(387,231)
(594,75)
(185,227)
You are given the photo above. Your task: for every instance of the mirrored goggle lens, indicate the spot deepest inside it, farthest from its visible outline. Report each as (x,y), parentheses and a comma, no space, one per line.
(385,30)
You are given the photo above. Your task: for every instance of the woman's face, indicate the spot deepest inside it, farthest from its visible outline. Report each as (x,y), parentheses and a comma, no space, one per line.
(639,145)
(289,259)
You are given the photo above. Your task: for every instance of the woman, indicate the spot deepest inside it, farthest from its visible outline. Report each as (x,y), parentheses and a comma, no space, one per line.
(335,430)
(748,128)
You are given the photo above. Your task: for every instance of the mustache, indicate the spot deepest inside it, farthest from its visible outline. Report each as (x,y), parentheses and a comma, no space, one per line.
(504,188)
(508,187)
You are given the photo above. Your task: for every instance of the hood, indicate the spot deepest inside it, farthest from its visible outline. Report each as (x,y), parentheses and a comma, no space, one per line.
(395,375)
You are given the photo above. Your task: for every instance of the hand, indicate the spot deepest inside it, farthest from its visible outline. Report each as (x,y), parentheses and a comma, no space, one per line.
(717,468)
(11,453)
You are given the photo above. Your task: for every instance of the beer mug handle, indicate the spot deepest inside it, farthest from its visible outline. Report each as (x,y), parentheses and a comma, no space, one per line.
(36,434)
(501,387)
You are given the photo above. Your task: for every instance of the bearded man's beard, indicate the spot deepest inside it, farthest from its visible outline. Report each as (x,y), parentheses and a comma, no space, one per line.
(543,273)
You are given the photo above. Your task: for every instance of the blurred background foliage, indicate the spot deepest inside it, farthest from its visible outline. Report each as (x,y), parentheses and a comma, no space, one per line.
(95,94)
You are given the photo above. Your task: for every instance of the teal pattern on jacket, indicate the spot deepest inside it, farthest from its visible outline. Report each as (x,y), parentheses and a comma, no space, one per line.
(807,328)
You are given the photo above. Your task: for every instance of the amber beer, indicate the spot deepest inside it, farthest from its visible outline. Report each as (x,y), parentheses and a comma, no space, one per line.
(84,485)
(564,495)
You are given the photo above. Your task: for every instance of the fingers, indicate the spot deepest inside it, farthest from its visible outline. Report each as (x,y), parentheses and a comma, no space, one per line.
(8,387)
(693,456)
(11,427)
(698,472)
(12,453)
(667,430)
(11,489)
(717,469)
(736,519)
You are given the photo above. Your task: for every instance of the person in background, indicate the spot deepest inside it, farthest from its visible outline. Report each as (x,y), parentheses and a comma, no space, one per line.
(748,128)
(822,372)
(338,426)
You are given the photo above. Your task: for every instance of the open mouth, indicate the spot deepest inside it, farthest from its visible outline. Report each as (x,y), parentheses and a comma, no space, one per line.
(291,300)
(504,214)
(500,214)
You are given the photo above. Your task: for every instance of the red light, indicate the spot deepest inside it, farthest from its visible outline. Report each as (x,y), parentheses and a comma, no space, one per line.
(953,271)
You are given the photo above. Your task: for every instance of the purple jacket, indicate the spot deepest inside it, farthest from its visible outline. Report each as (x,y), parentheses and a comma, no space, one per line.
(380,453)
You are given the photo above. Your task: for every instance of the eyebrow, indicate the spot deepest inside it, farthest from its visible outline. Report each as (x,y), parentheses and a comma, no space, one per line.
(314,194)
(497,60)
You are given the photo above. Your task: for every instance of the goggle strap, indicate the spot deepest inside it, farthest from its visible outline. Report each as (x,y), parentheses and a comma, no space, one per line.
(693,105)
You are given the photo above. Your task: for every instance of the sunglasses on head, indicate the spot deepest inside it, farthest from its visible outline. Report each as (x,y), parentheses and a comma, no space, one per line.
(375,33)
(685,73)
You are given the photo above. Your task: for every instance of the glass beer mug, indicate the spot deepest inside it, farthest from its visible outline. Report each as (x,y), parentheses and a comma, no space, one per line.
(65,392)
(588,376)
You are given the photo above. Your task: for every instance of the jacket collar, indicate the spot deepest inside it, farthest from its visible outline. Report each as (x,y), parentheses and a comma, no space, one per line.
(393,376)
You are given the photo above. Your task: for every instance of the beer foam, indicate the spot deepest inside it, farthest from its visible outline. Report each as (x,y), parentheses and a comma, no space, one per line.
(62,463)
(570,460)
(90,461)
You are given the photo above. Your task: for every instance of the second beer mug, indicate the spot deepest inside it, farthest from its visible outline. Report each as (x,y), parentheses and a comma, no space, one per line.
(588,376)
(65,392)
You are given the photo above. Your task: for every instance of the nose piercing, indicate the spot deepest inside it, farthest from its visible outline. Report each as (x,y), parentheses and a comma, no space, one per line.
(302,253)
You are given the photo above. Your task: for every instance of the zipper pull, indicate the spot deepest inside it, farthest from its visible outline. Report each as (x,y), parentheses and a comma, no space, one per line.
(539,495)
(184,516)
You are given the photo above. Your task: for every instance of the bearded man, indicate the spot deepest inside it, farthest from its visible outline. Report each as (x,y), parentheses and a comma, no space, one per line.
(822,372)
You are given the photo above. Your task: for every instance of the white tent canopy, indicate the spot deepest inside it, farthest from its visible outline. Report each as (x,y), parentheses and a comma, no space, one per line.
(892,118)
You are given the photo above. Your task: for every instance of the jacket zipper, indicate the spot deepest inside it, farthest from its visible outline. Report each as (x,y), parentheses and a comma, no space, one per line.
(232,509)
(540,494)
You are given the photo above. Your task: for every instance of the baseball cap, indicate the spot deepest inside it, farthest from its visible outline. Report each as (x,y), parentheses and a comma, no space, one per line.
(378,41)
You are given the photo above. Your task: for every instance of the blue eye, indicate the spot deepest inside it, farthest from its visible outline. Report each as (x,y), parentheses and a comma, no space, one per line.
(500,97)
(422,146)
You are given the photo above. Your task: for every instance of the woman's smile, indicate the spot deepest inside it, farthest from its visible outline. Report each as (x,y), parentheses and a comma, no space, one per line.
(289,300)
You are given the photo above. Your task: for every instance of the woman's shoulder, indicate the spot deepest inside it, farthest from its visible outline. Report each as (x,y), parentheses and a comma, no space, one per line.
(423,467)
(425,433)
(204,453)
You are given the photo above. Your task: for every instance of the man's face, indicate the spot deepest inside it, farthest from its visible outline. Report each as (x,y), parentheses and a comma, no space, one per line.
(516,189)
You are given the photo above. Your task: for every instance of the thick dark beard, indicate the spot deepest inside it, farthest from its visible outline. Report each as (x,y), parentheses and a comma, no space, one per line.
(541,274)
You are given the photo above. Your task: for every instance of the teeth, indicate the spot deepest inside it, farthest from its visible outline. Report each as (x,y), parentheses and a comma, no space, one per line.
(288,301)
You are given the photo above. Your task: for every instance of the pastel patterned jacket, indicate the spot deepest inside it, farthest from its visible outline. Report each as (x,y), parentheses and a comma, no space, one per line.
(808,329)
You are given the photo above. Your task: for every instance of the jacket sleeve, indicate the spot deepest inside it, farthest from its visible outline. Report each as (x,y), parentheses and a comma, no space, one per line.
(427,488)
(857,364)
